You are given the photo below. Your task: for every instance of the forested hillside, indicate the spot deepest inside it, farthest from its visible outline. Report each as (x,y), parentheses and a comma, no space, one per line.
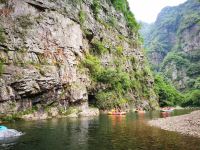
(173,47)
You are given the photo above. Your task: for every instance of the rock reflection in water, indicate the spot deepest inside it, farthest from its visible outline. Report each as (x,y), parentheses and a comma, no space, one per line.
(105,132)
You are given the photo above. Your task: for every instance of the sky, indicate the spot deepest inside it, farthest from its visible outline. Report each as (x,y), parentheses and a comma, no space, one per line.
(147,10)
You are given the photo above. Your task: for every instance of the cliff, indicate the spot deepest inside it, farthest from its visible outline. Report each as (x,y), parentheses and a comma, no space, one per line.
(173,44)
(71,53)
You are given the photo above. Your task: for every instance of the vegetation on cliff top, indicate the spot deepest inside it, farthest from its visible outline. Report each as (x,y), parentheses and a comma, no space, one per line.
(123,6)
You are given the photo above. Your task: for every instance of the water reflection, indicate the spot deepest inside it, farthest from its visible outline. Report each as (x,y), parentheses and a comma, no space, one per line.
(116,119)
(128,132)
(8,141)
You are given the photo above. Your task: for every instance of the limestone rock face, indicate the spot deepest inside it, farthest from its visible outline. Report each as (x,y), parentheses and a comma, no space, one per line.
(42,45)
(43,50)
(35,116)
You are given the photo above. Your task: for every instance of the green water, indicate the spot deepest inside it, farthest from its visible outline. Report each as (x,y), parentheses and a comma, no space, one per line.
(128,132)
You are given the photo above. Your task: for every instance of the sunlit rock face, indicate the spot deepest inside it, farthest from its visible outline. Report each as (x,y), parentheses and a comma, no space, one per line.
(42,47)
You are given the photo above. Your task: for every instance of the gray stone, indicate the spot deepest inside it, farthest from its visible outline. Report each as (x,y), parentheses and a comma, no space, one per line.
(45,46)
(89,112)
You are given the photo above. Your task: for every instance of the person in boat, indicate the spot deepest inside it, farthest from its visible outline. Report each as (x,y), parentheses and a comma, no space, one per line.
(165,108)
(139,109)
(116,110)
(112,110)
(119,109)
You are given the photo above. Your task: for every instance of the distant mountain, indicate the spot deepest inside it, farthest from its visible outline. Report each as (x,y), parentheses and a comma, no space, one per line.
(172,44)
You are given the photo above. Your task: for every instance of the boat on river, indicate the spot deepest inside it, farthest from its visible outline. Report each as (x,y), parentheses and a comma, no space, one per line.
(140,111)
(116,113)
(167,109)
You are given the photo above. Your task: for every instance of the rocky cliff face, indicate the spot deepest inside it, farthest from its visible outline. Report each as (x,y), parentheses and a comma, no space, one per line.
(44,45)
(173,44)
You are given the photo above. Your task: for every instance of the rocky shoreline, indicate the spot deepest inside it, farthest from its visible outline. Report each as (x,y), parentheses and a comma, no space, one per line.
(188,124)
(53,112)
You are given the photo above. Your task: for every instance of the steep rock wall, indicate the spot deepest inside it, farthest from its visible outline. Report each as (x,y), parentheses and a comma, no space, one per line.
(42,47)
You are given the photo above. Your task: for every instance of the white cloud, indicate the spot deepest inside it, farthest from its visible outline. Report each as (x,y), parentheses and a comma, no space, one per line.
(147,10)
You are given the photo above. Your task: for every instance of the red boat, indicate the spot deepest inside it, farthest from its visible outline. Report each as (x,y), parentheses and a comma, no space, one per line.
(116,113)
(140,111)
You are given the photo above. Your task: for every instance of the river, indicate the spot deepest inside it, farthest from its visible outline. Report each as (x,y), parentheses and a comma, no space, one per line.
(130,132)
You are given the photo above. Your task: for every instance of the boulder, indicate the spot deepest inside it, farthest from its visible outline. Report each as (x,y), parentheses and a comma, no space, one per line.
(89,112)
(35,116)
(53,112)
(73,115)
